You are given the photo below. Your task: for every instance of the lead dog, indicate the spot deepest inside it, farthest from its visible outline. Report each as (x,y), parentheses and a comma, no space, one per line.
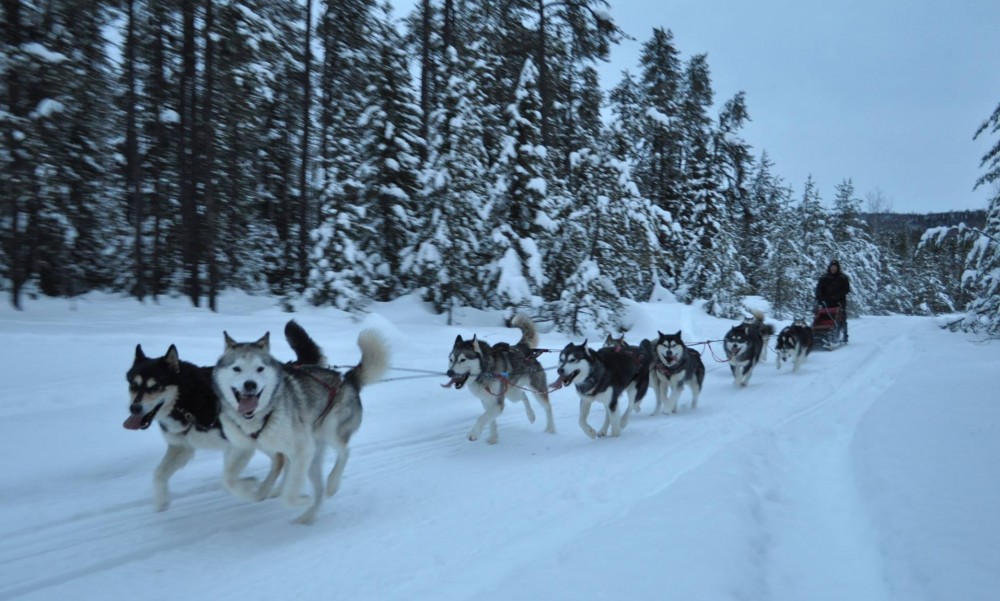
(295,410)
(676,366)
(601,376)
(499,372)
(745,346)
(180,397)
(795,342)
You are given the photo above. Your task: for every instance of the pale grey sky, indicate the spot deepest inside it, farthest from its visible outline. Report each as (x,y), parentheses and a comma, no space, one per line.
(886,92)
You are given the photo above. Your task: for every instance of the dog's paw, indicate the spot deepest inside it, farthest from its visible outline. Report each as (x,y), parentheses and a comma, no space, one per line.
(306,518)
(492,440)
(473,437)
(296,500)
(247,489)
(551,429)
(332,487)
(161,504)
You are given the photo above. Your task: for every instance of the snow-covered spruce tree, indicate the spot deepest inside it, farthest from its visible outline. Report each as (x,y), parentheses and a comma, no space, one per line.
(817,245)
(781,278)
(982,264)
(519,217)
(983,275)
(855,249)
(451,253)
(658,170)
(59,223)
(735,165)
(758,233)
(711,269)
(389,173)
(340,272)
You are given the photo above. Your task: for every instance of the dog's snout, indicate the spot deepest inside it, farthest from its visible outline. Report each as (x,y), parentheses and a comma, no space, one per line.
(450,373)
(249,386)
(135,408)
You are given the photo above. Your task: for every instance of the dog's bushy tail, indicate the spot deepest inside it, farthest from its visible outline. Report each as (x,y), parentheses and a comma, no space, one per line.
(529,333)
(374,358)
(307,352)
(766,329)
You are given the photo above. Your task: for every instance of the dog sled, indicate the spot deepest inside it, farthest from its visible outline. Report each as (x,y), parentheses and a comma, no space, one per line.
(828,327)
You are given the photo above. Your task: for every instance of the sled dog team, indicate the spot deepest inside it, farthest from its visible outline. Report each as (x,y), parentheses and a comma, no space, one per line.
(250,401)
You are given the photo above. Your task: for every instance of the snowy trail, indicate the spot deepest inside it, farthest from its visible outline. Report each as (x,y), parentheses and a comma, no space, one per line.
(760,480)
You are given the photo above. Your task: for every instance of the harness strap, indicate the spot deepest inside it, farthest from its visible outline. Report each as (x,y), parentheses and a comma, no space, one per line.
(331,389)
(267,418)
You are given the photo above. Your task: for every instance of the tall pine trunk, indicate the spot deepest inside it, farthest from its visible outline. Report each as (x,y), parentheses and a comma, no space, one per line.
(208,160)
(14,190)
(188,138)
(303,246)
(133,195)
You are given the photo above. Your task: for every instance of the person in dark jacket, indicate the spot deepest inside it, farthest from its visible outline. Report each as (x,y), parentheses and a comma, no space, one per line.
(832,289)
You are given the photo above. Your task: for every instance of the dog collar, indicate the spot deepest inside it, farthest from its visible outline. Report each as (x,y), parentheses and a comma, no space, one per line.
(267,417)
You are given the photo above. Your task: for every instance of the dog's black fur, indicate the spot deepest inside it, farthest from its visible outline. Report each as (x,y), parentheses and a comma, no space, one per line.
(745,346)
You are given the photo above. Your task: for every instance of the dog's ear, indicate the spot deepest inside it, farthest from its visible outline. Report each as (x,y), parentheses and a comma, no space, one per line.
(139,355)
(659,333)
(264,342)
(458,340)
(678,334)
(230,343)
(173,361)
(475,343)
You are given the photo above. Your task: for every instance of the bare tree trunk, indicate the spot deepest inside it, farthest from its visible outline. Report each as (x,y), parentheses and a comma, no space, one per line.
(14,189)
(188,139)
(426,75)
(303,250)
(133,194)
(207,131)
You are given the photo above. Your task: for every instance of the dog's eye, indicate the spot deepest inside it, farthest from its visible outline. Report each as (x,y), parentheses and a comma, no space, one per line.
(237,369)
(260,370)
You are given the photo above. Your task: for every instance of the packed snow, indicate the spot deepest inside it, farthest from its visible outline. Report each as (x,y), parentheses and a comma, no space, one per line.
(871,474)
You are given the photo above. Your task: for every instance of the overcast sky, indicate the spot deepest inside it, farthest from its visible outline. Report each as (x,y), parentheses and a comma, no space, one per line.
(885,92)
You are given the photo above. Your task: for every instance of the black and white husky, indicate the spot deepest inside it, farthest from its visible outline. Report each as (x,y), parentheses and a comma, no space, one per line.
(745,346)
(643,355)
(601,376)
(676,366)
(295,411)
(795,342)
(180,397)
(498,372)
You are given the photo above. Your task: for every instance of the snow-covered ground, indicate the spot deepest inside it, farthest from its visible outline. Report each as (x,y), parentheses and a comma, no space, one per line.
(873,473)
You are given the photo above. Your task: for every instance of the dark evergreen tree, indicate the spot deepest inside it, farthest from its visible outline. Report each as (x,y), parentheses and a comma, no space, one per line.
(389,174)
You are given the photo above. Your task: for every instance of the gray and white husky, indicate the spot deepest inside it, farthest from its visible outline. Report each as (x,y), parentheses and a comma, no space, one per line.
(498,372)
(295,411)
(180,397)
(745,346)
(601,376)
(676,366)
(795,342)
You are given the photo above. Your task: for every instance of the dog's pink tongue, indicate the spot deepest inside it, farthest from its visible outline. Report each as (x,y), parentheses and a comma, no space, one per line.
(450,383)
(556,385)
(134,422)
(247,404)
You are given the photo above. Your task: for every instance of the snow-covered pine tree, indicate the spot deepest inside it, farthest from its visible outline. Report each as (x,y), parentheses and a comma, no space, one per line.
(339,275)
(711,270)
(451,254)
(855,248)
(519,217)
(390,171)
(815,236)
(59,223)
(658,170)
(983,263)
